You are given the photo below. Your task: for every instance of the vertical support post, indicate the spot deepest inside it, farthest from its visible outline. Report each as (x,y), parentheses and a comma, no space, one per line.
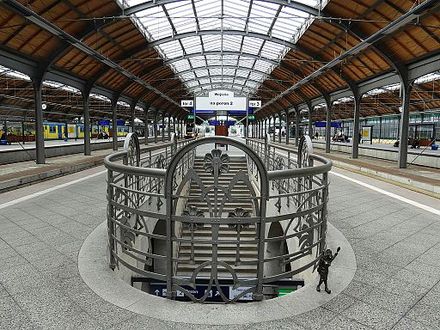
(174,126)
(163,126)
(169,126)
(287,126)
(132,115)
(309,106)
(296,127)
(155,126)
(356,125)
(114,124)
(328,125)
(279,130)
(274,128)
(404,123)
(86,116)
(147,130)
(39,129)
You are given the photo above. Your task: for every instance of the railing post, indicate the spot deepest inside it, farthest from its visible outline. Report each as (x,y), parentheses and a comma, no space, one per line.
(110,216)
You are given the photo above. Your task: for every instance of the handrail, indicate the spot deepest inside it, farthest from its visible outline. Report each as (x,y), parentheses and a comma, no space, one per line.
(166,196)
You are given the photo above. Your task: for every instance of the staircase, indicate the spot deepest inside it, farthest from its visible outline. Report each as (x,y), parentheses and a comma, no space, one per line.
(245,265)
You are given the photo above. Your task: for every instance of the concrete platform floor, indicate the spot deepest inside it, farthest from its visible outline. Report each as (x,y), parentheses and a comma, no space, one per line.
(51,143)
(394,233)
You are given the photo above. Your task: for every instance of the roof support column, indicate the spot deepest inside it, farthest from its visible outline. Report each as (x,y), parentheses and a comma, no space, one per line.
(156,113)
(169,126)
(39,129)
(404,123)
(287,126)
(86,116)
(132,115)
(296,127)
(174,126)
(163,127)
(279,131)
(310,123)
(147,130)
(356,126)
(328,123)
(274,127)
(114,123)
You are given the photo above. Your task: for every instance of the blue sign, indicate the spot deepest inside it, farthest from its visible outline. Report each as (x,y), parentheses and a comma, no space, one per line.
(336,124)
(104,122)
(120,122)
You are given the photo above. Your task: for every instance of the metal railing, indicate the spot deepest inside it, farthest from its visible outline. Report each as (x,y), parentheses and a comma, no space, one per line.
(175,218)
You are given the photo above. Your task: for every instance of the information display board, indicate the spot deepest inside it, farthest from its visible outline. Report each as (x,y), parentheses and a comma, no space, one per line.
(220,100)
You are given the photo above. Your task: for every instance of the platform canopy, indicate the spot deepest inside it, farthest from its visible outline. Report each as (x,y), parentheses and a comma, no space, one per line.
(231,44)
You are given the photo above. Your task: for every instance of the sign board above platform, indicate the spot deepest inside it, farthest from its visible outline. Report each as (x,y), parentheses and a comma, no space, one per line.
(186,103)
(220,100)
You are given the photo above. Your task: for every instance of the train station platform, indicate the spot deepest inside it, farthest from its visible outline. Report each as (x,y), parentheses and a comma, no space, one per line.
(415,177)
(423,156)
(16,174)
(393,232)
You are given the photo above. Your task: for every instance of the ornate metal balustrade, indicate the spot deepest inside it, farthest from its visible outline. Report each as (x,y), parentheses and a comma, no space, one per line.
(180,216)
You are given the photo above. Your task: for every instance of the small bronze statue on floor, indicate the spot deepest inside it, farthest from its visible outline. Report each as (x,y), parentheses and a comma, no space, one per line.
(324,263)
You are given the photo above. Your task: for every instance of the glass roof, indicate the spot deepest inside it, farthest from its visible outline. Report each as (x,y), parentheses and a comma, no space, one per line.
(239,42)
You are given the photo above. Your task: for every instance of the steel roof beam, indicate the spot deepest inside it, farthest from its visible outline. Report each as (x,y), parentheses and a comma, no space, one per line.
(256,35)
(375,37)
(55,30)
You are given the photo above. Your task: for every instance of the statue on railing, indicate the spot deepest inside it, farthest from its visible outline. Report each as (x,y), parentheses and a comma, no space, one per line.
(323,265)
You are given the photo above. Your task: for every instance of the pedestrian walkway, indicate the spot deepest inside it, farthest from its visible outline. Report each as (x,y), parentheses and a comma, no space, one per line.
(22,173)
(419,178)
(396,285)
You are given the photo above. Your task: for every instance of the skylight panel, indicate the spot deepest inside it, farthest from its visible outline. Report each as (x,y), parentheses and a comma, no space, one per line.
(428,78)
(263,66)
(262,16)
(252,45)
(272,19)
(211,42)
(246,63)
(181,65)
(256,76)
(192,83)
(204,81)
(155,22)
(182,16)
(242,73)
(201,72)
(187,76)
(231,43)
(192,45)
(272,50)
(171,49)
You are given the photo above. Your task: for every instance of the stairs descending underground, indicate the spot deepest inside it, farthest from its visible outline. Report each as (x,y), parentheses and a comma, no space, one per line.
(192,256)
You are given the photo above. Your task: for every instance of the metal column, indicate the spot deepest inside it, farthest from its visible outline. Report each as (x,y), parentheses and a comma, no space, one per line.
(132,115)
(328,126)
(114,125)
(163,127)
(356,138)
(287,126)
(296,127)
(279,131)
(274,127)
(404,125)
(147,131)
(39,129)
(310,123)
(169,126)
(155,126)
(86,116)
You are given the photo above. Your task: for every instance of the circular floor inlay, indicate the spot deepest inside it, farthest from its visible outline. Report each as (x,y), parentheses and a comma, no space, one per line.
(93,268)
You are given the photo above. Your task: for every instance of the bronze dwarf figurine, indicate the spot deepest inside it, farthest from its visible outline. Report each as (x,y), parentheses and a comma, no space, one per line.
(323,265)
